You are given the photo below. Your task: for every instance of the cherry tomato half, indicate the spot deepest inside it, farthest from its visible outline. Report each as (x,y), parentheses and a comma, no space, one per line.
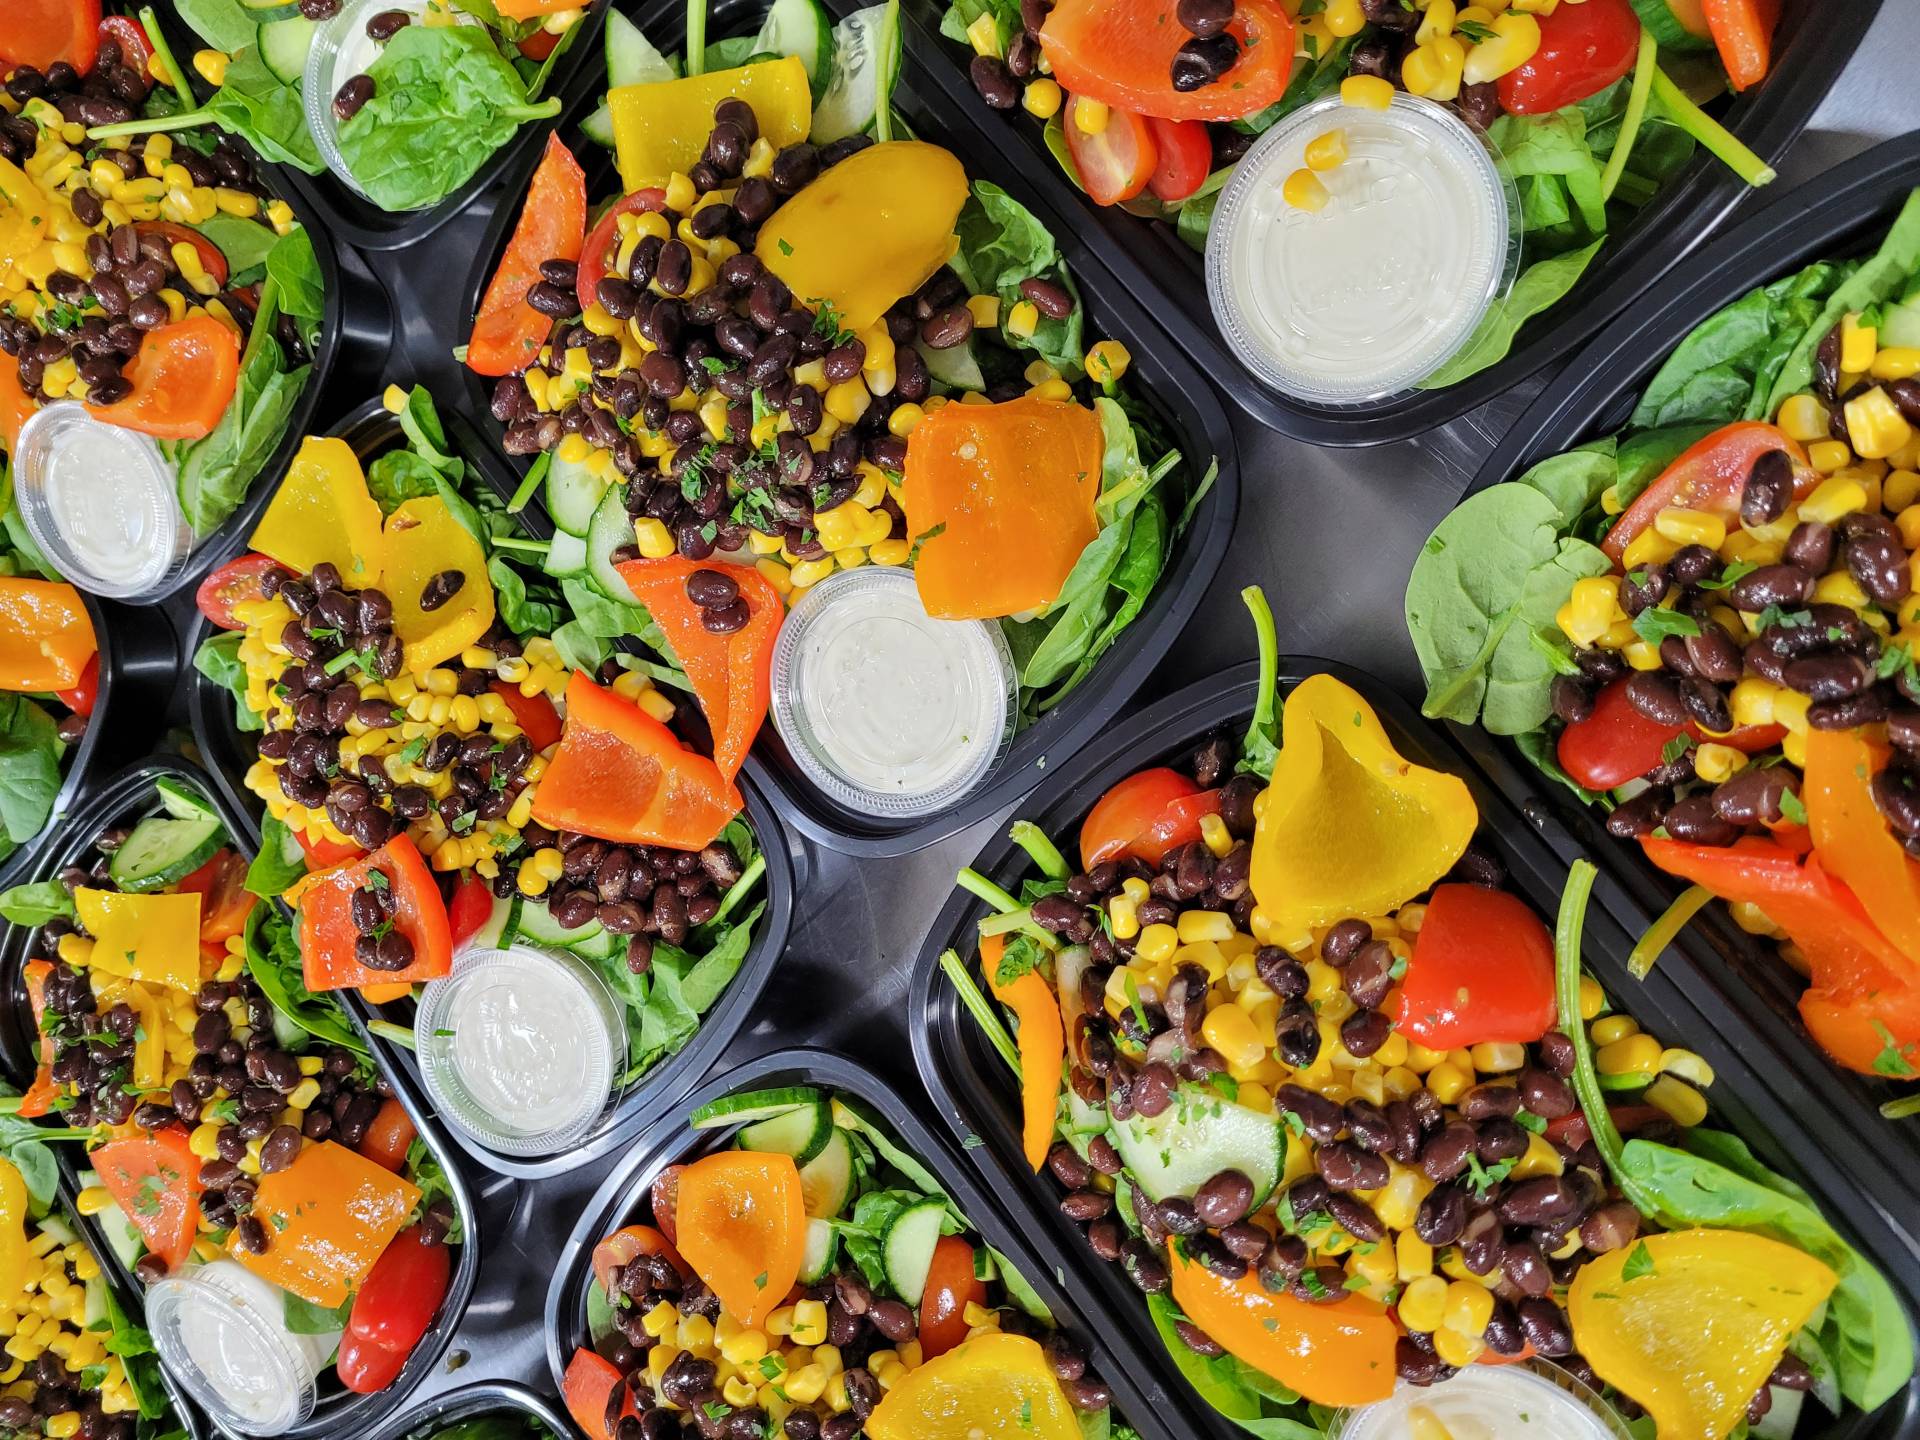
(366,1368)
(604,239)
(135,49)
(472,903)
(1115,164)
(1615,743)
(83,697)
(1147,814)
(225,903)
(1184,158)
(1583,49)
(229,585)
(325,854)
(389,1137)
(951,1285)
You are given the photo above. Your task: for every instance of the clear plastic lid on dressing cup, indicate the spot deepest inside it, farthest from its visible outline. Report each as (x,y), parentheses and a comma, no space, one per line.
(888,710)
(101,502)
(1384,284)
(522,1049)
(1488,1402)
(219,1330)
(341,50)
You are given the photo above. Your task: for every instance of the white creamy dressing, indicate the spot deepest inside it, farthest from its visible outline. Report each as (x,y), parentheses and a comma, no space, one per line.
(221,1329)
(1372,293)
(1485,1402)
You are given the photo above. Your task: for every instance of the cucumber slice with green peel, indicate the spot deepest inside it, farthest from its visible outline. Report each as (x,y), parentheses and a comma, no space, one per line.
(566,555)
(1194,1139)
(56,1226)
(163,850)
(284,45)
(181,800)
(823,1248)
(610,528)
(631,58)
(574,489)
(96,1315)
(1900,327)
(1020,1291)
(598,127)
(804,30)
(954,366)
(826,1181)
(497,930)
(907,1249)
(750,1106)
(120,1236)
(866,58)
(801,1132)
(537,924)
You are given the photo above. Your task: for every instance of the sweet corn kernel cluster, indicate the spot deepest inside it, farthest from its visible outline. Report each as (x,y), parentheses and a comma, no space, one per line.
(48,1317)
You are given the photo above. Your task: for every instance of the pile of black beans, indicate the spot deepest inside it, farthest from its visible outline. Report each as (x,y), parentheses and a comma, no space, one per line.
(56,1390)
(644,892)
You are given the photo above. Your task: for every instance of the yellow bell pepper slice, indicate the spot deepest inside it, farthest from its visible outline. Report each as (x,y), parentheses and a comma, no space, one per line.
(1691,1323)
(322,512)
(154,939)
(149,1038)
(994,1385)
(425,539)
(17,1263)
(873,228)
(1348,826)
(661,127)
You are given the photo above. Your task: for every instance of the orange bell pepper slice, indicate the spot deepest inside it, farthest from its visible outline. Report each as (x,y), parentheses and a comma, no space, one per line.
(1863,1007)
(16,408)
(732,675)
(327,931)
(1852,839)
(588,1388)
(1742,32)
(39,32)
(155,1180)
(1335,1354)
(330,1214)
(46,636)
(1043,1047)
(182,378)
(43,1092)
(742,1226)
(553,225)
(529,9)
(621,775)
(1000,500)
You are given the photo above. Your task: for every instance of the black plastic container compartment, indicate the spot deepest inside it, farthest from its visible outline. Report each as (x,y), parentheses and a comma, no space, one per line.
(1173,386)
(471,1402)
(228,752)
(622,1197)
(348,216)
(974,1095)
(1815,40)
(138,661)
(337,1410)
(1844,213)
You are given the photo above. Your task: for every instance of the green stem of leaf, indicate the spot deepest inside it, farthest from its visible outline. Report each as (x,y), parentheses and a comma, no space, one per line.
(696,37)
(981,1008)
(530,485)
(546,108)
(1900,1109)
(150,23)
(263,318)
(974,883)
(1643,69)
(1660,934)
(157,125)
(889,71)
(740,888)
(1044,853)
(1718,140)
(1265,698)
(401,1035)
(516,543)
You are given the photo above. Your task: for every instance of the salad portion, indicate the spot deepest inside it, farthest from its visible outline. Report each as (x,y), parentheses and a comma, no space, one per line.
(1217,118)
(465,792)
(814,1280)
(1371,1144)
(160,308)
(247,1164)
(818,361)
(402,102)
(1707,625)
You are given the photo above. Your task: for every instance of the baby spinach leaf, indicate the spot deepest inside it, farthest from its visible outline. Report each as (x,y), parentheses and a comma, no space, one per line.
(278,864)
(294,272)
(1540,286)
(30,752)
(36,904)
(257,106)
(273,960)
(245,243)
(1001,244)
(218,658)
(217,471)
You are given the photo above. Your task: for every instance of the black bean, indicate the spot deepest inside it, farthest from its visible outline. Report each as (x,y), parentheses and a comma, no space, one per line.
(1879,562)
(1810,547)
(1541,1202)
(1224,1199)
(1280,972)
(1867,708)
(1369,974)
(674,268)
(1611,1227)
(1768,488)
(1783,585)
(1144,1267)
(1442,1215)
(1321,1118)
(1657,697)
(1343,941)
(994,81)
(1211,1252)
(1544,1093)
(1572,701)
(725,619)
(1545,1326)
(441,587)
(387,24)
(1200,63)
(1345,1166)
(1695,821)
(1445,1154)
(1829,677)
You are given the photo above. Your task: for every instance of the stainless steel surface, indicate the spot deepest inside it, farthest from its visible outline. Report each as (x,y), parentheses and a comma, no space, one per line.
(1330,534)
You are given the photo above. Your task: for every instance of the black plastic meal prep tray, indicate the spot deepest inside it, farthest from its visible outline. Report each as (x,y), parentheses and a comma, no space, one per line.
(1172,386)
(471,1402)
(1815,40)
(229,752)
(976,1097)
(1843,213)
(337,1411)
(1138,1397)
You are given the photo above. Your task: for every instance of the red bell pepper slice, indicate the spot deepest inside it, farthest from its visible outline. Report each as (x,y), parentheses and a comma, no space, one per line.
(534,714)
(39,32)
(1122,55)
(604,239)
(732,675)
(507,332)
(395,1305)
(588,1390)
(182,379)
(327,933)
(1482,969)
(82,697)
(1742,32)
(155,1180)
(43,1092)
(621,775)
(1710,474)
(324,854)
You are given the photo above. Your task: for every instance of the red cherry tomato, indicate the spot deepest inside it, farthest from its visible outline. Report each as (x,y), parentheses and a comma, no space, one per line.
(230,584)
(1184,158)
(82,697)
(534,714)
(212,257)
(366,1368)
(628,1244)
(472,903)
(389,1137)
(401,1294)
(225,902)
(1710,476)
(1482,969)
(604,239)
(1116,164)
(1583,49)
(666,1200)
(135,49)
(1147,814)
(39,32)
(539,45)
(1615,743)
(951,1284)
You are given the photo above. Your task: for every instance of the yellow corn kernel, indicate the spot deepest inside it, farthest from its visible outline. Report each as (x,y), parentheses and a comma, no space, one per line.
(1683,1104)
(1327,150)
(1043,98)
(1497,1057)
(1448,1082)
(1435,68)
(809,1323)
(1022,319)
(1303,191)
(1687,1065)
(1423,1304)
(985,310)
(63,1426)
(1215,836)
(1857,343)
(212,66)
(984,35)
(1634,1055)
(1691,527)
(1875,424)
(1752,701)
(204,1142)
(302,1096)
(1804,418)
(1135,889)
(653,537)
(1437,20)
(1717,762)
(1514,40)
(1649,547)
(1540,1159)
(1366,92)
(1614,1027)
(744,1348)
(1469,1307)
(1456,1349)
(1827,456)
(1156,944)
(1107,361)
(848,400)
(1230,1030)
(1839,588)
(680,194)
(810,572)
(94,1199)
(1196,926)
(1590,609)
(806,1384)
(1896,362)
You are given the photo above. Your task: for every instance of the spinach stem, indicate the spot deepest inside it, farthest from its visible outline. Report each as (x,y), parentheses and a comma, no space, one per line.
(972,881)
(1032,839)
(401,1035)
(263,318)
(514,542)
(158,124)
(1709,132)
(536,472)
(547,107)
(738,891)
(1900,1109)
(1255,600)
(1660,934)
(1006,922)
(981,1009)
(696,37)
(889,73)
(1643,70)
(176,77)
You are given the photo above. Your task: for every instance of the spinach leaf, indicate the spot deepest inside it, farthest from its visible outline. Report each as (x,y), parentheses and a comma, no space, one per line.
(420,422)
(217,471)
(224,24)
(523,611)
(279,863)
(1232,1387)
(1563,205)
(273,960)
(962,13)
(444,99)
(1307,84)
(218,658)
(424,1169)
(1642,457)
(1539,287)
(28,1145)
(399,476)
(38,903)
(303,1317)
(1001,244)
(30,751)
(257,106)
(245,243)
(294,272)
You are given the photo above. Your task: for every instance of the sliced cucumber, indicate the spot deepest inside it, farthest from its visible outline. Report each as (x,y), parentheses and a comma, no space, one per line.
(598,127)
(631,58)
(1901,324)
(536,922)
(1194,1139)
(823,1248)
(181,800)
(163,849)
(120,1236)
(826,1181)
(750,1106)
(907,1249)
(574,488)
(612,527)
(804,30)
(567,555)
(801,1132)
(284,45)
(96,1316)
(954,366)
(866,57)
(57,1226)
(1020,1290)
(497,930)
(1666,26)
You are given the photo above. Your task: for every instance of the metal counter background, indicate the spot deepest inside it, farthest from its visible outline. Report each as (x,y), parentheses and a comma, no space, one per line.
(1330,534)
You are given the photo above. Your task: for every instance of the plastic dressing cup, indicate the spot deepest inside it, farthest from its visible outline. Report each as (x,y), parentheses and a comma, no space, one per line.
(341,50)
(888,710)
(1376,290)
(1489,1402)
(101,502)
(521,1049)
(219,1329)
